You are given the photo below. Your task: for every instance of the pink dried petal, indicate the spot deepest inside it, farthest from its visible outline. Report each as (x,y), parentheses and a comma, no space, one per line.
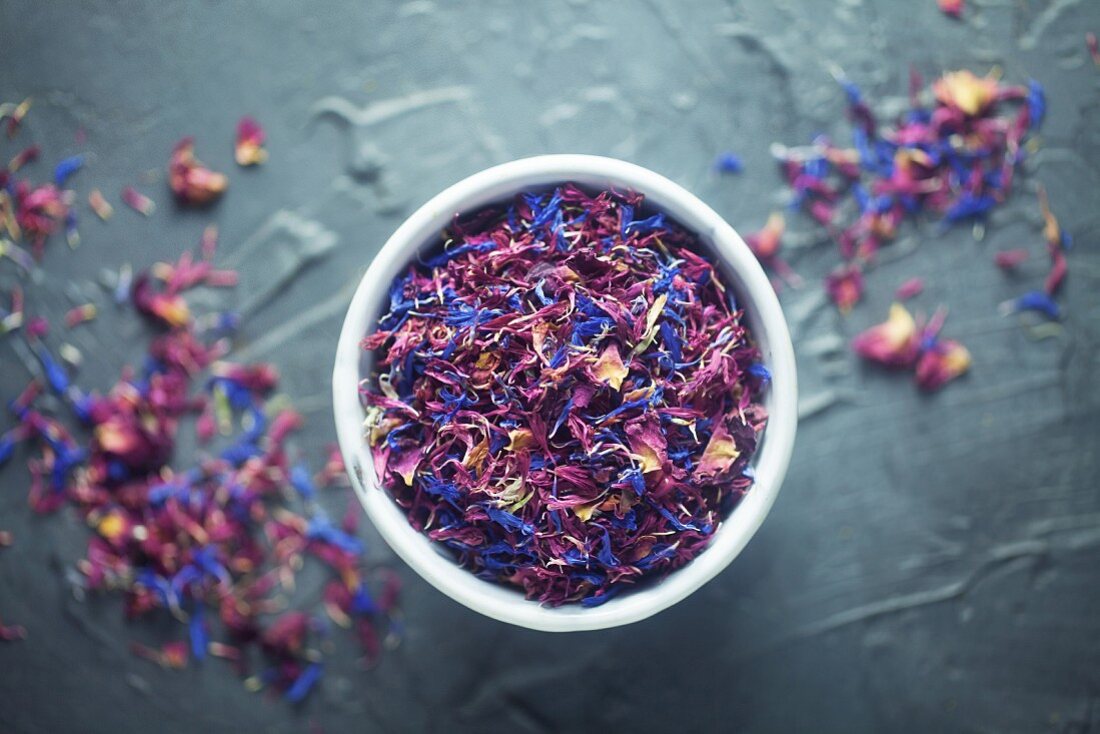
(765,244)
(23,157)
(138,201)
(1057,274)
(171,309)
(845,286)
(822,211)
(911,288)
(191,181)
(648,444)
(720,454)
(80,315)
(1010,259)
(250,140)
(893,343)
(209,243)
(405,462)
(944,361)
(12,632)
(37,328)
(14,114)
(952,8)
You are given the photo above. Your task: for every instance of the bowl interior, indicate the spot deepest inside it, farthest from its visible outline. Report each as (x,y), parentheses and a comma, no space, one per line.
(420,234)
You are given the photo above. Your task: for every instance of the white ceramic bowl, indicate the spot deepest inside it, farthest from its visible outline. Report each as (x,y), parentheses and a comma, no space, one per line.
(421,231)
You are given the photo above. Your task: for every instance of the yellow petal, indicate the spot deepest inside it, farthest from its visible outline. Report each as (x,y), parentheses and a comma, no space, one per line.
(609,368)
(584,512)
(111,526)
(476,456)
(899,327)
(651,323)
(520,438)
(649,459)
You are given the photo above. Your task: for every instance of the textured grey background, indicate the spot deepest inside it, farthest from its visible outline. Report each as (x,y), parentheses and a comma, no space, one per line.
(931,564)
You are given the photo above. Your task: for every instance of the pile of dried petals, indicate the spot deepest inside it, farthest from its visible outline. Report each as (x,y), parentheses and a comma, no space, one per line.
(565,395)
(218,538)
(956,158)
(216,543)
(902,343)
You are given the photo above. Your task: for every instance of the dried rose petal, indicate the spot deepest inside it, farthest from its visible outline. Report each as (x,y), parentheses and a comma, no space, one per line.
(845,286)
(191,181)
(14,114)
(952,8)
(250,140)
(765,243)
(138,201)
(893,343)
(941,362)
(12,632)
(966,92)
(80,315)
(911,288)
(23,157)
(100,205)
(1010,259)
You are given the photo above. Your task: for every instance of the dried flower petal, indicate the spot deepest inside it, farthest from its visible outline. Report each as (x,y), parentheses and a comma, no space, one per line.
(1037,301)
(765,243)
(191,181)
(137,201)
(14,114)
(845,286)
(729,162)
(911,288)
(23,157)
(966,92)
(80,315)
(720,454)
(951,8)
(250,140)
(893,343)
(100,205)
(12,632)
(609,368)
(941,362)
(1010,259)
(65,169)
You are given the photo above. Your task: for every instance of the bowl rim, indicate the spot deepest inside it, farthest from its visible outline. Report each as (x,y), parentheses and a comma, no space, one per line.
(766,322)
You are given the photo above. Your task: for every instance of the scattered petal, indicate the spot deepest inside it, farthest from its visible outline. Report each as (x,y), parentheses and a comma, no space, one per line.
(250,141)
(100,205)
(951,8)
(1010,259)
(191,181)
(729,163)
(911,288)
(138,201)
(892,343)
(941,362)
